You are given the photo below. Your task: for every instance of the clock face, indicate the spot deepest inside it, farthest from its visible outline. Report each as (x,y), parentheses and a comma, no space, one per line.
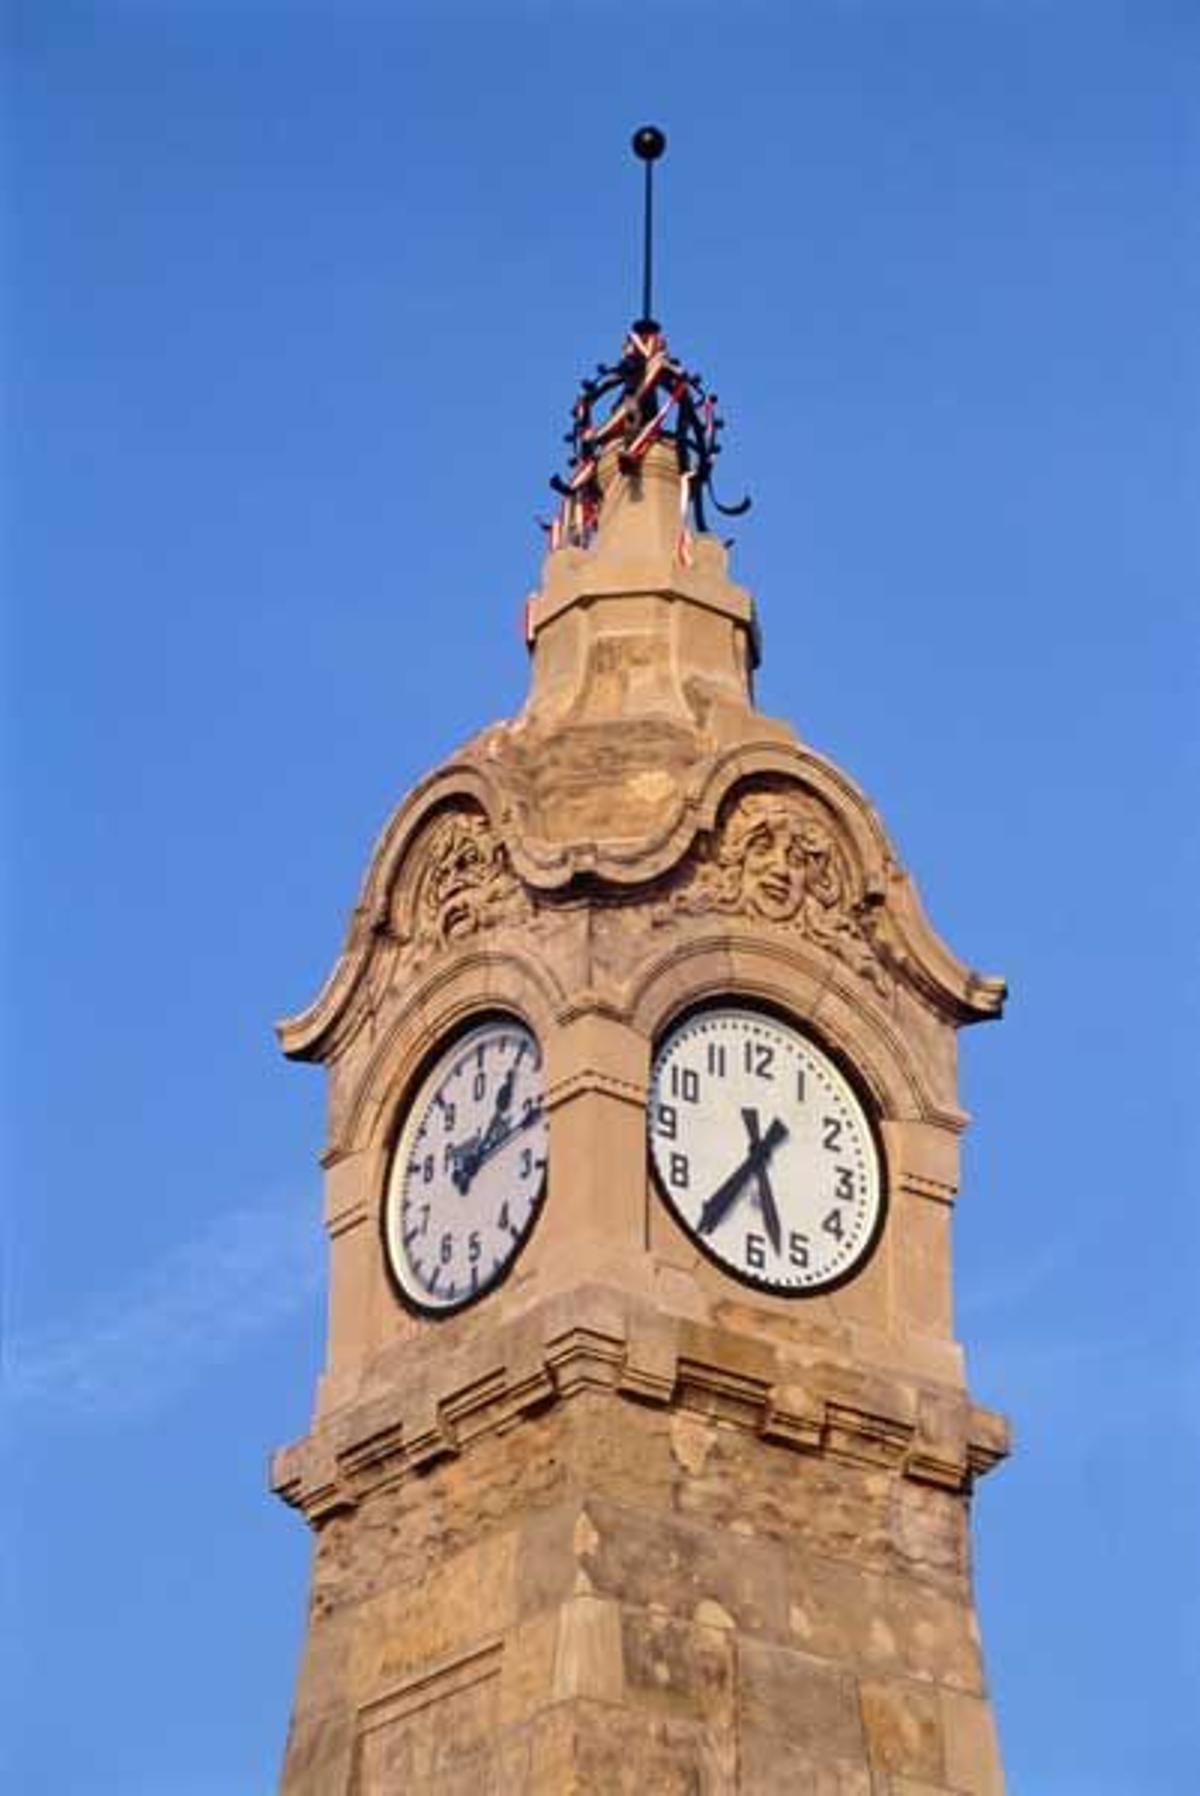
(469,1168)
(764,1152)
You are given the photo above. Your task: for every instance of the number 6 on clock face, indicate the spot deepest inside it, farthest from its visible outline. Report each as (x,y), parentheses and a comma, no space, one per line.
(763,1150)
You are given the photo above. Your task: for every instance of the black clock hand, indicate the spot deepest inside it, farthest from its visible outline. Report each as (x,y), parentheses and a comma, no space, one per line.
(462,1157)
(481,1147)
(486,1148)
(503,1101)
(725,1195)
(766,1196)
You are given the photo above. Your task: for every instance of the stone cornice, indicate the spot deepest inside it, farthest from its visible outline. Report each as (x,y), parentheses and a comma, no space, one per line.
(604,1341)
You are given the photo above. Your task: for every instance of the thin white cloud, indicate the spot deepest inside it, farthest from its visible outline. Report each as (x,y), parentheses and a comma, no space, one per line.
(195,1308)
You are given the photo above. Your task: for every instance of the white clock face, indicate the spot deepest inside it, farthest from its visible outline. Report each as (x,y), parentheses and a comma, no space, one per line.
(469,1167)
(763,1150)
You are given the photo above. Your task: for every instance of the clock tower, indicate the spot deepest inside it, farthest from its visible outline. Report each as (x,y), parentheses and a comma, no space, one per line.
(643,1454)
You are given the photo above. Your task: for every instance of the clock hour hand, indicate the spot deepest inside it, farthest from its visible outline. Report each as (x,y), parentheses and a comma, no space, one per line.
(726,1194)
(471,1156)
(462,1160)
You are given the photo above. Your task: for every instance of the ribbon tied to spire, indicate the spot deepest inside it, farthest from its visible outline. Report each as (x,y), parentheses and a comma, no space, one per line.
(653,398)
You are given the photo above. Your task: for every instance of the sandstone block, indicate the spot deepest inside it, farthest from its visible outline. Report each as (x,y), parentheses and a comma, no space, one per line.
(663,1562)
(903,1726)
(619,1753)
(972,1754)
(527,1669)
(588,1658)
(801,1700)
(464,1600)
(680,1669)
(770,1766)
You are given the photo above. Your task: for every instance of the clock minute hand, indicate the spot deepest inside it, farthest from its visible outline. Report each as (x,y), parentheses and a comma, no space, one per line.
(766,1196)
(487,1147)
(723,1198)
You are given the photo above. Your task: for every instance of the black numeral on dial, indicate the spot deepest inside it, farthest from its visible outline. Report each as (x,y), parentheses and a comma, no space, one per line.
(685,1084)
(759,1059)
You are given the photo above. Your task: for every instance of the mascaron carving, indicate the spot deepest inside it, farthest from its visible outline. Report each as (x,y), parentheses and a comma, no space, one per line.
(775,859)
(462,884)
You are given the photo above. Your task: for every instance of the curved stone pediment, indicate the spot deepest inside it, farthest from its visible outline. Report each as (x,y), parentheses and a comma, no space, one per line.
(766,836)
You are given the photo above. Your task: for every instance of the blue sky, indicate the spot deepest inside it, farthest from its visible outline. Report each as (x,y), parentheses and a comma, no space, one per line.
(297,299)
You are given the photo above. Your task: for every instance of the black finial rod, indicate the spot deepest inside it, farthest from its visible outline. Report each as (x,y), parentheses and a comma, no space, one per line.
(648,145)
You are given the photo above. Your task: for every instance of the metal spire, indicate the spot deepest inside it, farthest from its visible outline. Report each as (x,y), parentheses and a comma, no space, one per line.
(628,406)
(648,145)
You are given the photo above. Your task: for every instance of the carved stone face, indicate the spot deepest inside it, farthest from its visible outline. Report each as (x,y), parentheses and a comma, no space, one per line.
(464,857)
(767,836)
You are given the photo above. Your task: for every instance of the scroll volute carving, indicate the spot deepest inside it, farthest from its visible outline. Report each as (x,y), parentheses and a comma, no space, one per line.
(776,857)
(456,882)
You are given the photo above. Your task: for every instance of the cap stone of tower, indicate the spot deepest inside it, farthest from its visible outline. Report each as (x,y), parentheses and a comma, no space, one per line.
(625,1519)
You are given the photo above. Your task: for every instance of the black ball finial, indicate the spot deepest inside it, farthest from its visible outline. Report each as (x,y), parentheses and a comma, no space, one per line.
(648,143)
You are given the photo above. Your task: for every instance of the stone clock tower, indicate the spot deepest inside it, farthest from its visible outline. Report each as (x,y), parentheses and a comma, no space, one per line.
(642,1457)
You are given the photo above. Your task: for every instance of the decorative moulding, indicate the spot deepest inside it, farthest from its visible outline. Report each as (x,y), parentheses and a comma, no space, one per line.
(768,833)
(573,576)
(929,1434)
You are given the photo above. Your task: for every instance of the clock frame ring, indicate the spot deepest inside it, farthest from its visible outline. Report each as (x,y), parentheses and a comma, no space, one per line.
(864,1101)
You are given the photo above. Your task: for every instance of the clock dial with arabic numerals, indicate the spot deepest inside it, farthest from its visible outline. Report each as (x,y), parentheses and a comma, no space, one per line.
(469,1168)
(762,1148)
